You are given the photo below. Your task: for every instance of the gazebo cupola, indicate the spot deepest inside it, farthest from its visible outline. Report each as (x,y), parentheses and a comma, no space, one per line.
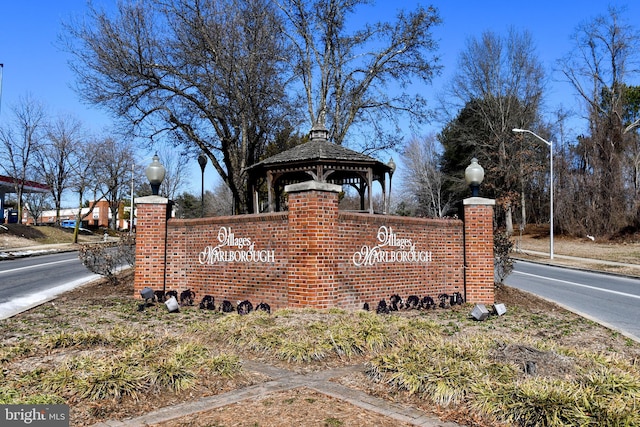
(319,160)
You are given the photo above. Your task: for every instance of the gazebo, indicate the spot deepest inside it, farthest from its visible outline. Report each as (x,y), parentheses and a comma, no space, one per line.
(322,161)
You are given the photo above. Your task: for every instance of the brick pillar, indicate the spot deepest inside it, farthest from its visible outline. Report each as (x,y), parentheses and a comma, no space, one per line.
(313,219)
(151,233)
(478,250)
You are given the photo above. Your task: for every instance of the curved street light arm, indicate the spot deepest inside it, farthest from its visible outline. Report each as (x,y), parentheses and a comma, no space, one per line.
(516,130)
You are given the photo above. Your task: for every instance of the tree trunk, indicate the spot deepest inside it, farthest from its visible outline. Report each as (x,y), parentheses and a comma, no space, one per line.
(508,219)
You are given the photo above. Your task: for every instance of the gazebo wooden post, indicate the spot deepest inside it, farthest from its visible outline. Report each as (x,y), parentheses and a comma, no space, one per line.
(369,186)
(270,191)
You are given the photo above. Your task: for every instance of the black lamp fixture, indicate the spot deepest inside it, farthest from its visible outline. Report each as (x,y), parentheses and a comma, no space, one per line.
(155,174)
(474,175)
(392,169)
(202,161)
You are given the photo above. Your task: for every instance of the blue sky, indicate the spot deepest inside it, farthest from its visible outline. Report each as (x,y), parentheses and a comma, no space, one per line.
(34,65)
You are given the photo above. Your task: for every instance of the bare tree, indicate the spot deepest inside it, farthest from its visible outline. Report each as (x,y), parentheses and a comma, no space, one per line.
(500,81)
(210,73)
(85,178)
(422,177)
(35,204)
(346,75)
(56,155)
(218,202)
(20,142)
(113,162)
(175,164)
(604,57)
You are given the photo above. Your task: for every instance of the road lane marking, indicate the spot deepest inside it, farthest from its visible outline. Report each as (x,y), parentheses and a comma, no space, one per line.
(38,265)
(580,285)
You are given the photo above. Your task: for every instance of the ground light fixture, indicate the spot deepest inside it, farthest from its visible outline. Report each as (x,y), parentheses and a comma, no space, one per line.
(500,309)
(480,312)
(474,175)
(172,305)
(147,293)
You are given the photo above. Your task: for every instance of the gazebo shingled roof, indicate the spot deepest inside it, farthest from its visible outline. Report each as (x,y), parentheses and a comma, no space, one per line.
(316,150)
(320,160)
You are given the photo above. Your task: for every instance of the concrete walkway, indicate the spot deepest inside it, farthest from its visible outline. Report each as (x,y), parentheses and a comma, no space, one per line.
(282,379)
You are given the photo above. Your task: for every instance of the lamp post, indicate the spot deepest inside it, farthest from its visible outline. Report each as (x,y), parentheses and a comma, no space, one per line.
(155,174)
(133,171)
(474,175)
(202,160)
(392,169)
(550,184)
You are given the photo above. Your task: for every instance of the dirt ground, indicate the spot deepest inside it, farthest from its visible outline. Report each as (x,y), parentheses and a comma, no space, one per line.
(306,407)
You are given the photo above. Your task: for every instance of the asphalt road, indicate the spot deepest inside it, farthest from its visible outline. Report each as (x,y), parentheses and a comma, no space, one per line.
(28,282)
(611,300)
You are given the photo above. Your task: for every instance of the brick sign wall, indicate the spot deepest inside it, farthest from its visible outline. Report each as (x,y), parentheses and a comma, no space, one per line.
(233,258)
(314,255)
(383,255)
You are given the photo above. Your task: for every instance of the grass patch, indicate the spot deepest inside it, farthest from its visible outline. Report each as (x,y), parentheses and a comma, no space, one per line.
(585,374)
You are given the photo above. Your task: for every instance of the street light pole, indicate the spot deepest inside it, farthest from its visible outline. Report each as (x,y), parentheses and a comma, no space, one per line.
(550,184)
(133,171)
(392,169)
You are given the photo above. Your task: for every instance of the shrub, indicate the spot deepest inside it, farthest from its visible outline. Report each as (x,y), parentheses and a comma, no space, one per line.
(106,259)
(502,246)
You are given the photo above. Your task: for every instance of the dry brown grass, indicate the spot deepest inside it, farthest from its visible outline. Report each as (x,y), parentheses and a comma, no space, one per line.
(593,253)
(96,309)
(19,236)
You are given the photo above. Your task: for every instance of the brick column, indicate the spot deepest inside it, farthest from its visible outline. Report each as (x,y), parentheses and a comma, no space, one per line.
(313,219)
(151,233)
(478,250)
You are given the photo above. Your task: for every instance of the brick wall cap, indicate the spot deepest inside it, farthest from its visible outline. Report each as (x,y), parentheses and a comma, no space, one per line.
(312,185)
(397,219)
(152,200)
(478,201)
(235,219)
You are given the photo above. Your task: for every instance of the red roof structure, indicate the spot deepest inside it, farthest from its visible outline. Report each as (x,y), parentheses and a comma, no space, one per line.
(7,185)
